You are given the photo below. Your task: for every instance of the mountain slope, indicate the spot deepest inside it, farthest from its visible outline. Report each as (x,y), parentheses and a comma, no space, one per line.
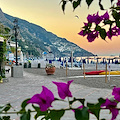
(38,40)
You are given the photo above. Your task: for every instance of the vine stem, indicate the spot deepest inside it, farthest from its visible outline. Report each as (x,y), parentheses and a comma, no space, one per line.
(69,102)
(17,112)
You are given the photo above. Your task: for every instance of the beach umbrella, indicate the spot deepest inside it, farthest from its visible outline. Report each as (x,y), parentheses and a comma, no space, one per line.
(59,59)
(70,60)
(84,61)
(62,64)
(98,59)
(116,61)
(103,60)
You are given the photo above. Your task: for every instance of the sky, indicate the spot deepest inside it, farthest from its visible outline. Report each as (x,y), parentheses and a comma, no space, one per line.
(49,15)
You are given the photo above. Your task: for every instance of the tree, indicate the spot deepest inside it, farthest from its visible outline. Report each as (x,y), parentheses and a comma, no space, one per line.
(2,57)
(76,3)
(12,49)
(95,27)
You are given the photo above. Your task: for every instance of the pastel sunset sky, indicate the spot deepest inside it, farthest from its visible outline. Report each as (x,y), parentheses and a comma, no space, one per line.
(49,15)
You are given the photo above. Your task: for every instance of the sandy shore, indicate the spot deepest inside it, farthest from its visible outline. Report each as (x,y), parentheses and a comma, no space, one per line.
(95,82)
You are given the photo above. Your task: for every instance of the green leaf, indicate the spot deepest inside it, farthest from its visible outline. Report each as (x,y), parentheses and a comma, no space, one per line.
(80,100)
(89,25)
(76,4)
(108,22)
(47,117)
(117,8)
(22,111)
(25,116)
(95,108)
(103,33)
(101,100)
(56,114)
(97,28)
(56,99)
(112,1)
(63,5)
(24,103)
(39,113)
(89,2)
(7,107)
(82,114)
(6,118)
(115,15)
(118,24)
(101,6)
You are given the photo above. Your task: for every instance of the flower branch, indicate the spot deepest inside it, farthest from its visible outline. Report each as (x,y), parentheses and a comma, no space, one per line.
(45,100)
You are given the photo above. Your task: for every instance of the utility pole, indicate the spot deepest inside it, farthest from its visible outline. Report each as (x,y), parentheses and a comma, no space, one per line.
(15,28)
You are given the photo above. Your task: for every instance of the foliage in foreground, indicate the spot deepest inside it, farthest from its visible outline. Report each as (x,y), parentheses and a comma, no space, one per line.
(45,111)
(103,26)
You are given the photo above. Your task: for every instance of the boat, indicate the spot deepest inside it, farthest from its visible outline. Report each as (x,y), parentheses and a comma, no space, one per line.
(111,73)
(94,72)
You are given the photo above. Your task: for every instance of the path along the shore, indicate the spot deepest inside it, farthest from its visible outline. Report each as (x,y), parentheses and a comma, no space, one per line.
(19,89)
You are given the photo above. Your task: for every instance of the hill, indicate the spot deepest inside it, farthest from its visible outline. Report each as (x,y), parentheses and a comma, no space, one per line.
(34,39)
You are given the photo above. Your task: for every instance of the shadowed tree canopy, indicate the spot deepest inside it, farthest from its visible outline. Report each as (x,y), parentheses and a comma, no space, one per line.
(95,25)
(76,3)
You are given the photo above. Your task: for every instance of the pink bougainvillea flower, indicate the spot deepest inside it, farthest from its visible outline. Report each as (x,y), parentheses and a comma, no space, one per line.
(116,93)
(115,31)
(118,31)
(44,99)
(63,89)
(97,19)
(118,3)
(82,33)
(86,24)
(90,18)
(112,107)
(110,33)
(106,16)
(94,18)
(92,36)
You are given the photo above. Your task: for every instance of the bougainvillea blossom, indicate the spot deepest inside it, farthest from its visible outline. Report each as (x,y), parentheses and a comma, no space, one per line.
(90,18)
(97,22)
(116,93)
(118,3)
(63,89)
(115,31)
(44,99)
(94,18)
(111,105)
(92,36)
(82,33)
(105,16)
(97,18)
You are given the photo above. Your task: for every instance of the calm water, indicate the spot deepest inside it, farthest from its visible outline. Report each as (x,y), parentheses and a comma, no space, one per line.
(99,59)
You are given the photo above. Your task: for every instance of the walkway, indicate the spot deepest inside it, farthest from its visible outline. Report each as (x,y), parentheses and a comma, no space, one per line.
(19,89)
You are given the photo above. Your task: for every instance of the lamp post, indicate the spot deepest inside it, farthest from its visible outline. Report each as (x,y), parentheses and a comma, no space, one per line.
(16,71)
(15,28)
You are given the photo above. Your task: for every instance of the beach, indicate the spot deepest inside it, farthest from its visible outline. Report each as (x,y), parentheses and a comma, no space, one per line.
(91,88)
(94,81)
